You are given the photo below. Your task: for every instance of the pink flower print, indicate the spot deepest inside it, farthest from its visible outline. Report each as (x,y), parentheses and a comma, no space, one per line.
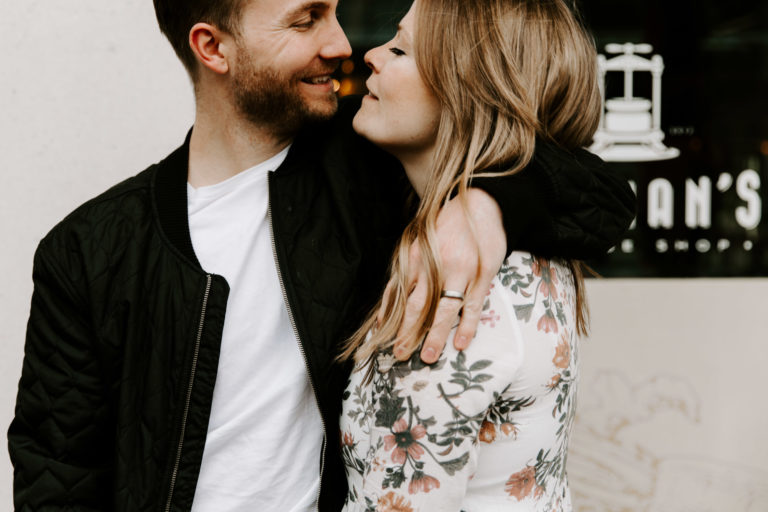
(422,483)
(541,268)
(523,484)
(491,317)
(547,286)
(404,441)
(547,323)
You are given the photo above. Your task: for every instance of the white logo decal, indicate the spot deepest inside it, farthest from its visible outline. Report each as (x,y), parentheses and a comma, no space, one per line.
(630,128)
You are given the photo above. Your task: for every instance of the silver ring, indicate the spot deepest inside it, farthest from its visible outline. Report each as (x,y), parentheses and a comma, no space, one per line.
(450,294)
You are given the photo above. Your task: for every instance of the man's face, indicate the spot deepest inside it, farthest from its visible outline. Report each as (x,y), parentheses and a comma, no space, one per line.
(286,52)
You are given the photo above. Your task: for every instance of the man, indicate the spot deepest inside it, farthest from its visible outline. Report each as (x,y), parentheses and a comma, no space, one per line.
(184,324)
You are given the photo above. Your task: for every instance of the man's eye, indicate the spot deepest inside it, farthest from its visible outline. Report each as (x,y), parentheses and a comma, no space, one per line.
(308,21)
(397,51)
(304,24)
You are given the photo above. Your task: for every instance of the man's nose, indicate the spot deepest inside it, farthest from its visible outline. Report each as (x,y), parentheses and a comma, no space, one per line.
(337,45)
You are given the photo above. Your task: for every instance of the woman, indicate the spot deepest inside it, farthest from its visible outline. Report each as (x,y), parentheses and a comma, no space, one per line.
(466,87)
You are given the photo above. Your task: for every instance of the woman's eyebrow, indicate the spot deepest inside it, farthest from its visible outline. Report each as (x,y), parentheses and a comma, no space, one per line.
(401,30)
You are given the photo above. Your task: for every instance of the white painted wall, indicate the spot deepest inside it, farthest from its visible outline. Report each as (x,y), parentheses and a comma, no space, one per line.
(90,94)
(672,410)
(672,405)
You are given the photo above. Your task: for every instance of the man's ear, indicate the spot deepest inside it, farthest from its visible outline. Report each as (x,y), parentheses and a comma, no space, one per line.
(210,45)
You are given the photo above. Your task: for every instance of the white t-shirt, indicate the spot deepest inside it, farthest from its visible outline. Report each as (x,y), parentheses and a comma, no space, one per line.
(265,433)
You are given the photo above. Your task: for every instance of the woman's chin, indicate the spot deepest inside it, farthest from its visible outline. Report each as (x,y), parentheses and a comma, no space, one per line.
(357,124)
(370,126)
(361,125)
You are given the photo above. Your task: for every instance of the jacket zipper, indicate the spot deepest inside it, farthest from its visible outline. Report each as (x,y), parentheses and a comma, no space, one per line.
(296,333)
(195,356)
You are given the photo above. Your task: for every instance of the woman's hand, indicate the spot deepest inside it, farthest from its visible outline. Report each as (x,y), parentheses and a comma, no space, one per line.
(466,270)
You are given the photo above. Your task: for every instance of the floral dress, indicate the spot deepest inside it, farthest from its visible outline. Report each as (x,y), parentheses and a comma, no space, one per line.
(480,430)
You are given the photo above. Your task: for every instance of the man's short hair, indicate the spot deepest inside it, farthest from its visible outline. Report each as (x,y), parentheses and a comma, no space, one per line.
(177,17)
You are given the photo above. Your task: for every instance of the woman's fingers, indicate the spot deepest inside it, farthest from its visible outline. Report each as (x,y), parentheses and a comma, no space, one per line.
(470,316)
(489,231)
(415,304)
(466,269)
(446,318)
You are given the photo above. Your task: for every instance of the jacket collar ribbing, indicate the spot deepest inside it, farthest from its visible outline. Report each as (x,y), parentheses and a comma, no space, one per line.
(170,188)
(170,198)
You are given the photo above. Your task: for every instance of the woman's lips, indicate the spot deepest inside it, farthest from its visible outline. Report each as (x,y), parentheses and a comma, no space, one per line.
(370,94)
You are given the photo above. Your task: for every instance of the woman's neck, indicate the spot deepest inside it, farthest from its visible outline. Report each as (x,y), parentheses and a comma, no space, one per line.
(418,165)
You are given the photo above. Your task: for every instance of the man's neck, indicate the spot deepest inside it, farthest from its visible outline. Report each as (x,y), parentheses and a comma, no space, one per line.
(223,144)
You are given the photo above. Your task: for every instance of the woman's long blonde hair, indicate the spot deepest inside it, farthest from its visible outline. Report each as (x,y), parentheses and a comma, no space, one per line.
(505,72)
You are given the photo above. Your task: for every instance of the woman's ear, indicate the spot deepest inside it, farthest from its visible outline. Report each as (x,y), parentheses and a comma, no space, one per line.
(209,46)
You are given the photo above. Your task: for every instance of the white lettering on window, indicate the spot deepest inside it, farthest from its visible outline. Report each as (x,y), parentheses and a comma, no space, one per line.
(661,207)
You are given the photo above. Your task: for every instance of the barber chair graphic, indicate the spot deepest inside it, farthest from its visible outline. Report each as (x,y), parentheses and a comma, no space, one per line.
(630,128)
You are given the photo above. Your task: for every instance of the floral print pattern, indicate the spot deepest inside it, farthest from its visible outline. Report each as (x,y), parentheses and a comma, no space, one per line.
(434,437)
(523,484)
(391,502)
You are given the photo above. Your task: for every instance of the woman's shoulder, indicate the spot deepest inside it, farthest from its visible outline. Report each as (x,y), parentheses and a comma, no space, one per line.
(539,300)
(536,298)
(521,268)
(528,281)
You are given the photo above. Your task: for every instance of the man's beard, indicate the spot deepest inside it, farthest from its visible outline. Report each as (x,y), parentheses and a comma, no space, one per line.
(267,98)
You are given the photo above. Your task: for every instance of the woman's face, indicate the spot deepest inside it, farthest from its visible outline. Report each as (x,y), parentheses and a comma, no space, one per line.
(399,113)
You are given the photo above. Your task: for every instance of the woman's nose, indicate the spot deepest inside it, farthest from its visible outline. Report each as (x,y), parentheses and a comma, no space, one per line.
(372,59)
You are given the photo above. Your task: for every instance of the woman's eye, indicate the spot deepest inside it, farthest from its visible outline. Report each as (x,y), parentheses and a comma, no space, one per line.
(397,51)
(305,24)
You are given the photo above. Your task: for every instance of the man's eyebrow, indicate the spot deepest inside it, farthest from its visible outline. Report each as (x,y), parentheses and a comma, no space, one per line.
(308,6)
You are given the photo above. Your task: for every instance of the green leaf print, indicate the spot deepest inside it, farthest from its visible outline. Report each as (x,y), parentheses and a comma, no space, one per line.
(480,365)
(395,478)
(454,465)
(524,312)
(390,410)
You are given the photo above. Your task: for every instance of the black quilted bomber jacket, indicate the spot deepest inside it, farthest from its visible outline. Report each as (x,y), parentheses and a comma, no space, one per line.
(125,326)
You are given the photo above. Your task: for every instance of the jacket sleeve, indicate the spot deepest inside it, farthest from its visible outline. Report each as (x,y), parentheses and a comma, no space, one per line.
(59,441)
(566,204)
